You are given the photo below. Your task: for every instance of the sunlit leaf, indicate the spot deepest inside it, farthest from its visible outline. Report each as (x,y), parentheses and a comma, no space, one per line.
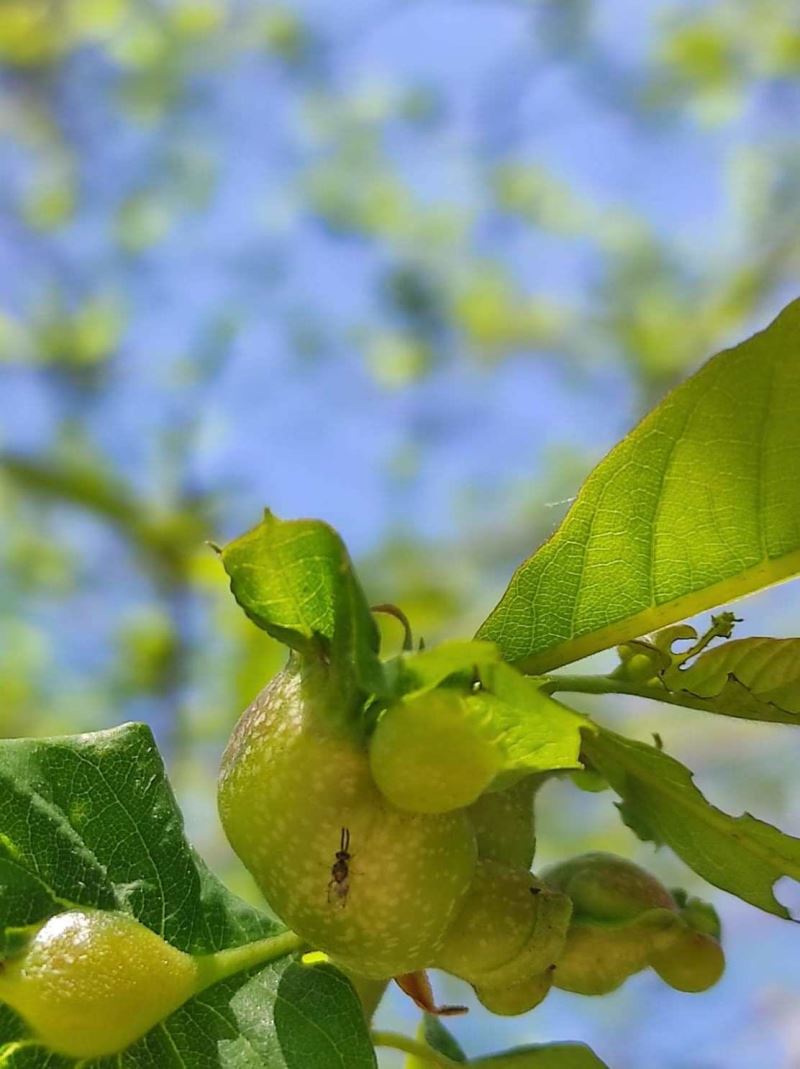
(295,579)
(698,505)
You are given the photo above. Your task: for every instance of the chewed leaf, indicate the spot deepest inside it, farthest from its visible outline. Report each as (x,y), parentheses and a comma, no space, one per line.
(548,1056)
(660,802)
(698,505)
(295,579)
(533,731)
(749,678)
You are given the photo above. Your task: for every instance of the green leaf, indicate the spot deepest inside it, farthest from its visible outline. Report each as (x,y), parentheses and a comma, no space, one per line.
(698,505)
(742,855)
(549,1056)
(432,1032)
(295,579)
(750,678)
(533,731)
(91,821)
(414,673)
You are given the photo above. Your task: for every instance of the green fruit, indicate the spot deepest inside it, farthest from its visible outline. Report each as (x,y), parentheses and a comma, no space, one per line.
(510,929)
(519,998)
(604,887)
(622,917)
(291,781)
(504,824)
(428,754)
(694,963)
(599,958)
(90,982)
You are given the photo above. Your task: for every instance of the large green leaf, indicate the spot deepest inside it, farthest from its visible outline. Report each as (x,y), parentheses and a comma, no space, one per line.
(295,579)
(700,504)
(742,855)
(91,821)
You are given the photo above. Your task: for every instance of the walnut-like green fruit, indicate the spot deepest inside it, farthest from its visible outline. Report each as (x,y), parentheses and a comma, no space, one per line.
(507,938)
(625,920)
(518,998)
(90,983)
(694,963)
(428,754)
(293,777)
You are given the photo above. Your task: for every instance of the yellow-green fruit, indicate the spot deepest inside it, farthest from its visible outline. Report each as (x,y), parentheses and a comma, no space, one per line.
(519,998)
(604,887)
(90,982)
(598,959)
(428,754)
(694,963)
(290,782)
(504,824)
(510,929)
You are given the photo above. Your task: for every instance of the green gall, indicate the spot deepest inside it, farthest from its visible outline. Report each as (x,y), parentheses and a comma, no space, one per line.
(90,982)
(428,754)
(604,887)
(510,929)
(694,963)
(503,822)
(519,998)
(598,958)
(292,784)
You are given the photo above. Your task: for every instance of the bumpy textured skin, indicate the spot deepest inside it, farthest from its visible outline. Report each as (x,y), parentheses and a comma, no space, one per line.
(624,921)
(504,824)
(91,982)
(290,781)
(428,754)
(510,930)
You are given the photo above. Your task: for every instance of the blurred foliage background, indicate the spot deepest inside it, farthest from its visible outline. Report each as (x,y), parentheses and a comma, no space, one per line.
(408,265)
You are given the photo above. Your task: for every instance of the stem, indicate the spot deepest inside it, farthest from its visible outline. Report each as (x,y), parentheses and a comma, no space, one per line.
(211,968)
(413,1046)
(607,685)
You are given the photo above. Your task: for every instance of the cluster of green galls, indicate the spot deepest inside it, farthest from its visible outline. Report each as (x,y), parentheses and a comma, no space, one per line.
(437,867)
(392,850)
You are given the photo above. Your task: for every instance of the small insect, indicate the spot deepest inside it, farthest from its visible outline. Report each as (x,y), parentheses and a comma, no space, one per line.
(339,884)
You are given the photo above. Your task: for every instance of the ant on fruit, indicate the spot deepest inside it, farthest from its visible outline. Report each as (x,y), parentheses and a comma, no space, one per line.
(339,883)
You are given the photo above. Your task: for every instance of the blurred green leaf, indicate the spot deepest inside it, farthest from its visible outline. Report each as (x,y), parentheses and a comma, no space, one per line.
(696,506)
(433,1033)
(548,1056)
